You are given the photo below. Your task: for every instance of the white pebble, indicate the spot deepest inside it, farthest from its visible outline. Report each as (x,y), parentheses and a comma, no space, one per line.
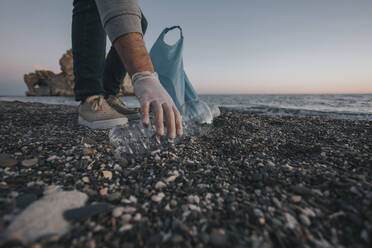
(126,217)
(173,177)
(158,198)
(194,208)
(51,158)
(117,212)
(125,227)
(129,210)
(107,174)
(85,179)
(133,199)
(292,222)
(305,220)
(137,217)
(160,185)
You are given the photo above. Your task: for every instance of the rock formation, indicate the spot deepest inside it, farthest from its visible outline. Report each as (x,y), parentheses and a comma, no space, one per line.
(47,83)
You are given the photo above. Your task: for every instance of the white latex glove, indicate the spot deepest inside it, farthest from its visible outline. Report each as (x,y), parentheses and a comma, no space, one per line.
(149,91)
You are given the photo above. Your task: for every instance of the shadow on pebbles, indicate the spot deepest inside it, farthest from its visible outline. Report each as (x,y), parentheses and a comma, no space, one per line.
(251,181)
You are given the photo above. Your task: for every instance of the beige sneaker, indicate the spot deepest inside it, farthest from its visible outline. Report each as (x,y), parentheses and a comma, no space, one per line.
(95,113)
(119,106)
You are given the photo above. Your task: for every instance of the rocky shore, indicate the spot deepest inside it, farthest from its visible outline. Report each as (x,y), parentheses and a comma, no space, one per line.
(251,181)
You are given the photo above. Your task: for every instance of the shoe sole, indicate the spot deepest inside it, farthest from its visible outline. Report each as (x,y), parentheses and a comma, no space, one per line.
(132,117)
(104,124)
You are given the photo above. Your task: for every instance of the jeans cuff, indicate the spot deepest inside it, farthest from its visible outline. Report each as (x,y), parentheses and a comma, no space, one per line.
(81,95)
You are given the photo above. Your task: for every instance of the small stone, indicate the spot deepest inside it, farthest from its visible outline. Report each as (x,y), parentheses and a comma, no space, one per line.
(14,194)
(167,207)
(173,203)
(125,227)
(114,196)
(173,177)
(288,168)
(103,191)
(51,158)
(123,162)
(309,212)
(158,198)
(90,191)
(107,174)
(258,212)
(305,220)
(126,217)
(3,185)
(270,163)
(354,190)
(137,217)
(155,152)
(218,238)
(7,161)
(45,217)
(261,221)
(301,190)
(160,185)
(30,162)
(82,213)
(194,208)
(132,199)
(117,212)
(364,235)
(117,167)
(257,192)
(129,210)
(86,179)
(296,198)
(177,238)
(87,151)
(291,221)
(157,157)
(277,203)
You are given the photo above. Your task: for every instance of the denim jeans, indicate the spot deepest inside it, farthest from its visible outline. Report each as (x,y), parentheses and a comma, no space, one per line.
(94,74)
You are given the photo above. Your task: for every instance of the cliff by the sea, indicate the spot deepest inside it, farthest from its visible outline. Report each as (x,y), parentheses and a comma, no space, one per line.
(48,83)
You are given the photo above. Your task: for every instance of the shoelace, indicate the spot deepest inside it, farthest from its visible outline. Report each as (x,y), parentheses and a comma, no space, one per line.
(96,101)
(117,101)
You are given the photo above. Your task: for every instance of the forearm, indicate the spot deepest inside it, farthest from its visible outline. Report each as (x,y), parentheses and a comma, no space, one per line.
(133,53)
(121,20)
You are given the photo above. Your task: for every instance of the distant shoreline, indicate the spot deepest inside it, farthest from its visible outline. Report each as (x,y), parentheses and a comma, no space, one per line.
(351,106)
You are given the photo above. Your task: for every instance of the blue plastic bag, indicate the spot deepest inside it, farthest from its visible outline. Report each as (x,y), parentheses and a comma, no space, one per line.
(168,63)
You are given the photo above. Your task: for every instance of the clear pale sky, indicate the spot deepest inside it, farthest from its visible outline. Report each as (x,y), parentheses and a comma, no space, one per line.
(237,46)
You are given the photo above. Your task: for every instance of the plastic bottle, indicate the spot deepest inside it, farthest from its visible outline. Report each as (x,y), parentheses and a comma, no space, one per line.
(135,139)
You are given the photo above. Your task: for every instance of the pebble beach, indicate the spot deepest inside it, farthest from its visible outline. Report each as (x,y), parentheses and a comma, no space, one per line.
(251,181)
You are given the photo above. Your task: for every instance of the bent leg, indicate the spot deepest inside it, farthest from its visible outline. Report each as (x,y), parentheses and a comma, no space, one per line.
(88,49)
(115,71)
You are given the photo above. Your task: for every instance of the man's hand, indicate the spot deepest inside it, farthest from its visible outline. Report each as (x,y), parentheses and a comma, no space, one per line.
(149,91)
(147,87)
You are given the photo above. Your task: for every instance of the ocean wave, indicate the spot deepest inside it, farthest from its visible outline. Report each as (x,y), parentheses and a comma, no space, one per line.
(270,110)
(333,106)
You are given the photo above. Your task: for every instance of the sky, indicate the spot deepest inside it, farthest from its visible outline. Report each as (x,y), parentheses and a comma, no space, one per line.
(230,47)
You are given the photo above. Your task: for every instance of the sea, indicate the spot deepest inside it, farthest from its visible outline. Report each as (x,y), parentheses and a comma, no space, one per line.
(339,106)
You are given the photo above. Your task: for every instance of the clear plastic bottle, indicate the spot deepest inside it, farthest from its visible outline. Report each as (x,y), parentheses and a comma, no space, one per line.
(135,139)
